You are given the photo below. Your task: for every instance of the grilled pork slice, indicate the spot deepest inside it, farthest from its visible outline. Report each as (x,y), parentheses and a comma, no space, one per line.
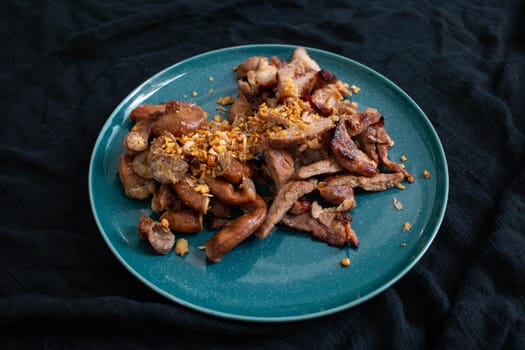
(380,182)
(297,134)
(159,236)
(321,167)
(279,165)
(348,154)
(335,233)
(283,201)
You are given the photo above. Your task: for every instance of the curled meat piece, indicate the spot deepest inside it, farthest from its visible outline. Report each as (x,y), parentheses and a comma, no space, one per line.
(134,185)
(233,169)
(226,192)
(160,237)
(186,220)
(193,199)
(283,201)
(300,55)
(382,151)
(179,118)
(380,182)
(167,166)
(348,154)
(237,230)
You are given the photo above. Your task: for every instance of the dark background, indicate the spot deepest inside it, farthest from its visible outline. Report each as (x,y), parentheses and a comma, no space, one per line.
(65,65)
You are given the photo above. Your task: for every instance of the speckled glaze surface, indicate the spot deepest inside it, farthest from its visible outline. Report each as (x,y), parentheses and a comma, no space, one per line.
(288,276)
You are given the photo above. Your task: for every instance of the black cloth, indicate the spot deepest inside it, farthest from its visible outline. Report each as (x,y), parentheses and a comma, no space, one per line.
(65,65)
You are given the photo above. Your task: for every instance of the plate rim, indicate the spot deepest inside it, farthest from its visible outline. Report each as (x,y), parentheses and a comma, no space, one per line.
(296,317)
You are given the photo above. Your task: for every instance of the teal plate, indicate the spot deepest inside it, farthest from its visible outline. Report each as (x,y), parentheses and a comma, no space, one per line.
(287,276)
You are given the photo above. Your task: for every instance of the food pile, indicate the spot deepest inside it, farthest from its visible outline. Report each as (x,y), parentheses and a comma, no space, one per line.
(292,124)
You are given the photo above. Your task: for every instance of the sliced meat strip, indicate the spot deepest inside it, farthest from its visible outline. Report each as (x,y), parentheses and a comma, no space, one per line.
(283,201)
(324,166)
(358,122)
(279,165)
(384,143)
(297,135)
(380,182)
(233,169)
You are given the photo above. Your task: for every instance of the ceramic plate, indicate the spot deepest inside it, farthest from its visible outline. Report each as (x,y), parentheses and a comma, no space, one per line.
(287,276)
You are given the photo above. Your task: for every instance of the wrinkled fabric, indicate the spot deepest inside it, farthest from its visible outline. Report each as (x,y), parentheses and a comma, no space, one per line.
(67,64)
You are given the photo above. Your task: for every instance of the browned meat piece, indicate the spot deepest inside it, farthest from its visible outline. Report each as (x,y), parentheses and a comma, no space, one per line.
(295,135)
(380,182)
(358,122)
(383,144)
(179,118)
(220,209)
(195,200)
(306,61)
(326,98)
(240,109)
(165,198)
(283,201)
(348,155)
(336,236)
(166,165)
(339,225)
(336,194)
(293,82)
(237,230)
(145,111)
(134,185)
(137,140)
(226,192)
(368,142)
(160,237)
(324,166)
(300,206)
(279,165)
(141,164)
(186,220)
(233,169)
(258,71)
(298,77)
